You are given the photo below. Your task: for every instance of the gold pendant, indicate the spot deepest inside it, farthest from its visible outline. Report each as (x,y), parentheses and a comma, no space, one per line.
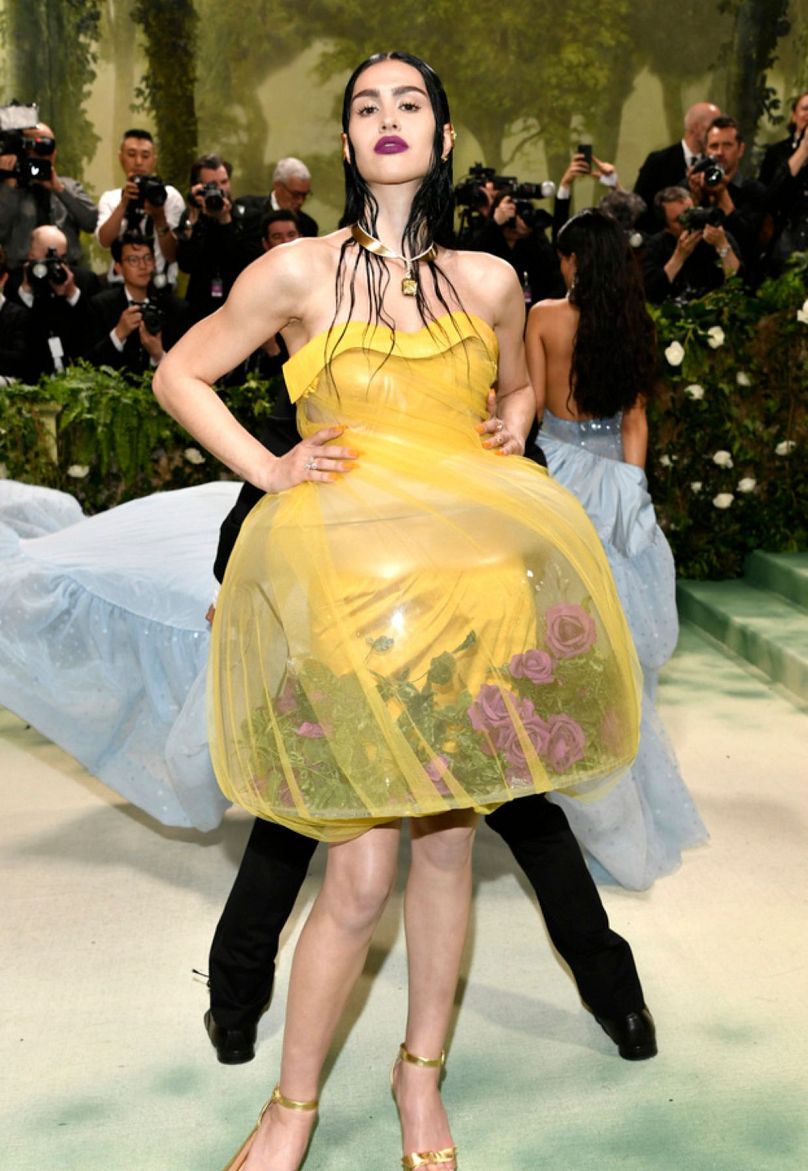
(409,286)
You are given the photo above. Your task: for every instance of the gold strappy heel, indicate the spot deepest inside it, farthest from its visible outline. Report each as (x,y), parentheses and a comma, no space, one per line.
(447,1155)
(240,1157)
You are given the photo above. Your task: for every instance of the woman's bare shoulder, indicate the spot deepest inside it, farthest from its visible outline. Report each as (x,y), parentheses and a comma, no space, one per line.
(550,314)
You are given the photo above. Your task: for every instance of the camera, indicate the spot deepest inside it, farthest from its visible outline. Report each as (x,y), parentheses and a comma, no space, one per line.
(50,270)
(212,196)
(152,310)
(27,168)
(693,219)
(711,169)
(472,199)
(150,189)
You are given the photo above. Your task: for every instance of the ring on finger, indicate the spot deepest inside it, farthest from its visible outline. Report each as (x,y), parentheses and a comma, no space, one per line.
(500,424)
(311,464)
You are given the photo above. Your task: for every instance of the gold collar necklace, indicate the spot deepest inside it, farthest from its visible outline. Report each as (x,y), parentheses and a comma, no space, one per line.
(409,282)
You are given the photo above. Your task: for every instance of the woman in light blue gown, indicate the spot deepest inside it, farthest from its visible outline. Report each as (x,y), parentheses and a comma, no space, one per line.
(592,359)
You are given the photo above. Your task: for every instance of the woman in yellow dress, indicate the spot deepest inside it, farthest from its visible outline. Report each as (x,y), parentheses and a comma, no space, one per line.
(411,626)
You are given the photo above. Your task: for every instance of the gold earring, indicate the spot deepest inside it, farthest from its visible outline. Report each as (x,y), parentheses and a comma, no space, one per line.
(453,136)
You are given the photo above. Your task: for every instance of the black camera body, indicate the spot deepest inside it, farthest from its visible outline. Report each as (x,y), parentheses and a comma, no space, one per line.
(212,196)
(471,199)
(46,272)
(694,219)
(28,168)
(150,189)
(711,169)
(153,310)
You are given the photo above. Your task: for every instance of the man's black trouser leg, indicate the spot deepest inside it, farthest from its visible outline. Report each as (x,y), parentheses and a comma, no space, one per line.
(543,844)
(242,955)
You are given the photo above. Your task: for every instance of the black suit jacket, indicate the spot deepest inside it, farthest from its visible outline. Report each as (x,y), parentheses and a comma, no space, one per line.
(776,154)
(52,317)
(662,168)
(104,312)
(13,340)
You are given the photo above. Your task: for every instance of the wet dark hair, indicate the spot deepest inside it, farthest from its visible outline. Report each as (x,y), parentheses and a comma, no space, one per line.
(614,356)
(430,218)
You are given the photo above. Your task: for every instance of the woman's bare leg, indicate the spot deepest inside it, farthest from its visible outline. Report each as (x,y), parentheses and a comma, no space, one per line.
(328,960)
(436,914)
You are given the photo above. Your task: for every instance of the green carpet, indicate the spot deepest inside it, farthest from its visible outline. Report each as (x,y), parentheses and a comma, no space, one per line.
(105,1064)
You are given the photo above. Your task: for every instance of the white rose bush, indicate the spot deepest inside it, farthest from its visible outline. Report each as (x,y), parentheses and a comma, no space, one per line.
(728,432)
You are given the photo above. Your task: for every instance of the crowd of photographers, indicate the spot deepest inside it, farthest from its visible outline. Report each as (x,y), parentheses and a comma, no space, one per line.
(54,309)
(693,218)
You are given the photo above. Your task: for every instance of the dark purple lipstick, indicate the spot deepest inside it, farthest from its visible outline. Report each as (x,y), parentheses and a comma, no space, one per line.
(390,145)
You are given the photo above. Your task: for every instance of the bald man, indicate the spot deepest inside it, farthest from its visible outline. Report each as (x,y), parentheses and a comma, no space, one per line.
(57,295)
(54,200)
(670,167)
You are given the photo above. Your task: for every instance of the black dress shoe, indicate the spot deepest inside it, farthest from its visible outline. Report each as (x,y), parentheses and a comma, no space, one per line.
(633,1034)
(233,1046)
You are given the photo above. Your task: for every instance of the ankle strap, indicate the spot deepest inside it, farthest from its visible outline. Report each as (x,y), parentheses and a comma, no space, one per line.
(292,1103)
(430,1062)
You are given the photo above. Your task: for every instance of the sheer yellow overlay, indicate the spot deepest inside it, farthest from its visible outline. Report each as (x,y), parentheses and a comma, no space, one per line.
(437,629)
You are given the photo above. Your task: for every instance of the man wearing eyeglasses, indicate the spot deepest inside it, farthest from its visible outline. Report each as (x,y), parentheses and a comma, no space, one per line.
(132,324)
(291,187)
(53,199)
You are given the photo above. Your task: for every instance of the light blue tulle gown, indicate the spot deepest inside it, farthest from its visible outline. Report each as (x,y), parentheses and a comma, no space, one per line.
(103,638)
(637,832)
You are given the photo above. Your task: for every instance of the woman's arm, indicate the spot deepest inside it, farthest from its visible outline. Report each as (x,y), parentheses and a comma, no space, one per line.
(268,296)
(516,403)
(536,358)
(634,431)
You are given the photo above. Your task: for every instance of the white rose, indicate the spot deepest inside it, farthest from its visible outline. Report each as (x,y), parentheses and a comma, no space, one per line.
(715,337)
(695,486)
(802,314)
(194,455)
(785,448)
(694,391)
(723,499)
(747,484)
(723,459)
(743,379)
(78,471)
(665,461)
(675,353)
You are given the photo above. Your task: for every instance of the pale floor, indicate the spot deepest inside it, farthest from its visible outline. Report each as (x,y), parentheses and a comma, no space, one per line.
(105,1067)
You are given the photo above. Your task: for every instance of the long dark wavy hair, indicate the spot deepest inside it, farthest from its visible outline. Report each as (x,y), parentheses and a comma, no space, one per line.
(614,356)
(430,218)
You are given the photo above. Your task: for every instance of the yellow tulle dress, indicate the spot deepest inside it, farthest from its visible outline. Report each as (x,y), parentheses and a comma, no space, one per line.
(437,629)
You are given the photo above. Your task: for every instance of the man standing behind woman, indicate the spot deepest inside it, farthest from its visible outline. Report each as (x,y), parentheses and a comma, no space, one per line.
(593,364)
(378,642)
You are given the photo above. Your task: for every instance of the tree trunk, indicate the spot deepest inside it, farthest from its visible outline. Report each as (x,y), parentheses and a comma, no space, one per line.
(169,31)
(758,26)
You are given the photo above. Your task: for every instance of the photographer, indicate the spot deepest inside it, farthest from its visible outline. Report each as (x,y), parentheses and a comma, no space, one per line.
(133,324)
(716,182)
(581,167)
(57,296)
(33,193)
(515,231)
(692,255)
(785,171)
(213,243)
(13,332)
(291,187)
(145,204)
